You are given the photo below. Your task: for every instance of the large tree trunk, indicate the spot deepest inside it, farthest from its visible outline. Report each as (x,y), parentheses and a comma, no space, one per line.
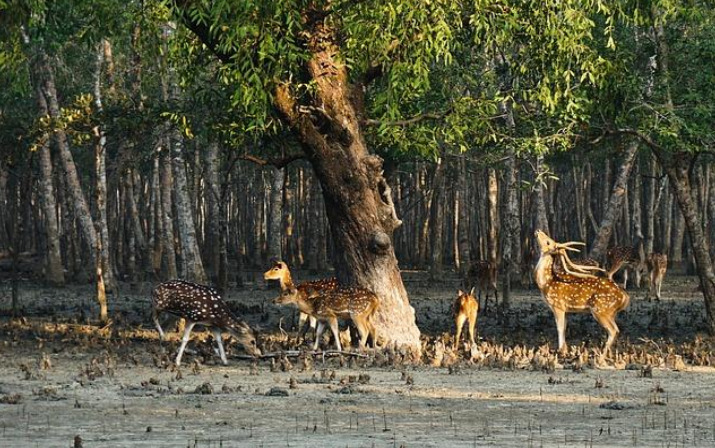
(613,210)
(677,171)
(357,197)
(55,271)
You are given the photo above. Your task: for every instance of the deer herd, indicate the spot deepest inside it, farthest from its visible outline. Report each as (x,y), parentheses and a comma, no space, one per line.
(567,286)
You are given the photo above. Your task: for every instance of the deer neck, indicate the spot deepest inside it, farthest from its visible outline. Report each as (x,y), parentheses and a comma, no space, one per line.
(304,305)
(543,273)
(286,281)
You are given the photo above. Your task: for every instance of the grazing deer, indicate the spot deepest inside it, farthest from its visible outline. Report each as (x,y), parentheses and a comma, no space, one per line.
(657,265)
(482,275)
(627,257)
(466,308)
(279,271)
(577,290)
(199,304)
(345,302)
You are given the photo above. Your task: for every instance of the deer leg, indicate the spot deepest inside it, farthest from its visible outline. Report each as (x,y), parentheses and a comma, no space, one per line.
(336,333)
(219,342)
(609,324)
(614,269)
(318,333)
(652,286)
(625,278)
(362,328)
(472,323)
(459,322)
(184,341)
(373,334)
(155,318)
(658,283)
(302,317)
(302,329)
(560,317)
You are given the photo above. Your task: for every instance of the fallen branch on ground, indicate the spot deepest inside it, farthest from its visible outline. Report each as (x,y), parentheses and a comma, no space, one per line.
(297,353)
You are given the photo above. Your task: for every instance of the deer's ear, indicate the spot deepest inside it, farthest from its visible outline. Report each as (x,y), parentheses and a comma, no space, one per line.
(471,293)
(460,292)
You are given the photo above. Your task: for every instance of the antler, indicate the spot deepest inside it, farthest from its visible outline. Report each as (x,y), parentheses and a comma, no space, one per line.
(577,270)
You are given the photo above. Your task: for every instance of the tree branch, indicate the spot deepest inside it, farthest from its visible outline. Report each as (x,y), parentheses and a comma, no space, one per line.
(407,121)
(278,163)
(201,30)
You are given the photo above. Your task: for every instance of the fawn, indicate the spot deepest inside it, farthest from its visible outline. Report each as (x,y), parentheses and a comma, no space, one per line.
(279,271)
(482,275)
(200,304)
(657,265)
(466,308)
(627,257)
(357,304)
(577,290)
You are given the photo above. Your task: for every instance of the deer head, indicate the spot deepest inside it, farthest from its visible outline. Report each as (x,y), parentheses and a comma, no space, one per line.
(550,247)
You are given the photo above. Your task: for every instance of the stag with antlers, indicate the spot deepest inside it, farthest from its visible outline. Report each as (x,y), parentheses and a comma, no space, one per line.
(577,289)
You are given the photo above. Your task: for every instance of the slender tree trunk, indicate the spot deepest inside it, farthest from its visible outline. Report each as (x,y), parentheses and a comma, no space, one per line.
(55,270)
(436,223)
(103,248)
(650,205)
(81,209)
(492,217)
(667,220)
(156,234)
(167,236)
(213,199)
(463,227)
(711,208)
(676,249)
(192,267)
(512,228)
(613,210)
(316,225)
(276,215)
(542,221)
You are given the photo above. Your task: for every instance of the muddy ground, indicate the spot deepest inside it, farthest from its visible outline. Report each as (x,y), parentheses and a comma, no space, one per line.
(62,377)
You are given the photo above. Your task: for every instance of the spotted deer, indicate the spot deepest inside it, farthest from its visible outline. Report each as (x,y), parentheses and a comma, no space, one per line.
(466,308)
(482,274)
(657,265)
(279,271)
(345,302)
(628,258)
(200,304)
(577,290)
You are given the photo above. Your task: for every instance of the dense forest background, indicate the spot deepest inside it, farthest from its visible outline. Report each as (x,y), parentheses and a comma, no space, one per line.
(133,150)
